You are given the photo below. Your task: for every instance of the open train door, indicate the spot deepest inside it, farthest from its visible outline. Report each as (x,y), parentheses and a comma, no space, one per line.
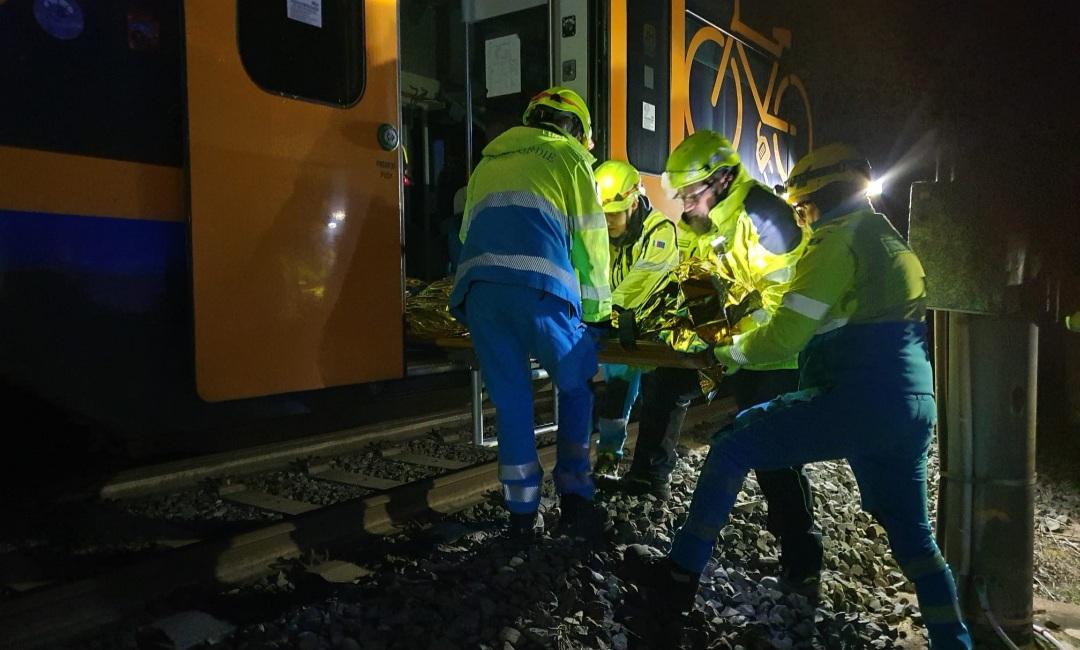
(295,194)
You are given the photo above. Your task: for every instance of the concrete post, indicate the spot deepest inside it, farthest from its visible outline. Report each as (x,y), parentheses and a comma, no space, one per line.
(990,476)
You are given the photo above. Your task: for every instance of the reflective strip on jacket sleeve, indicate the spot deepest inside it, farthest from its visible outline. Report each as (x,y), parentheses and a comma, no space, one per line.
(589,252)
(822,277)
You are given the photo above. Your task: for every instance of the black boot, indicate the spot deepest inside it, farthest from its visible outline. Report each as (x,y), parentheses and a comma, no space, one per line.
(791,520)
(580,518)
(636,485)
(801,559)
(525,528)
(667,589)
(808,587)
(607,464)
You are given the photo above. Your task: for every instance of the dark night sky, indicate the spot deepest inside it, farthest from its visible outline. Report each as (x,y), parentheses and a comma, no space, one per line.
(988,84)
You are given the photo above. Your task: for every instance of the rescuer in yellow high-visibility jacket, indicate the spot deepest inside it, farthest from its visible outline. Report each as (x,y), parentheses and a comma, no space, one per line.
(532,272)
(856,311)
(643,253)
(756,240)
(752,231)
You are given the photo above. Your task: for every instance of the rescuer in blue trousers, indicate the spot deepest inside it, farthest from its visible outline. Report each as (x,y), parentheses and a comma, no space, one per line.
(856,309)
(510,324)
(532,272)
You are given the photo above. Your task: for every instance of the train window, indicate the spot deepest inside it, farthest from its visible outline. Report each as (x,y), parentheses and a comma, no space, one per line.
(97,78)
(648,54)
(722,114)
(307,49)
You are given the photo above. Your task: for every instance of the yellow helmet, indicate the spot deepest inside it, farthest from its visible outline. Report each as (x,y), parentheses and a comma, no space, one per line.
(563,100)
(619,185)
(697,158)
(829,164)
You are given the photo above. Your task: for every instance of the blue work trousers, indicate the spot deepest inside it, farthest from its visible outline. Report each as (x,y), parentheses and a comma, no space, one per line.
(622,384)
(885,438)
(509,324)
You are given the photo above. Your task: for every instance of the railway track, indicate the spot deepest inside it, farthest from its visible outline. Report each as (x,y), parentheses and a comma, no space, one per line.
(438,479)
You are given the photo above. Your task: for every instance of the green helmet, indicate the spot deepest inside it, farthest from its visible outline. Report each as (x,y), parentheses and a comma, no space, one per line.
(563,100)
(698,157)
(619,185)
(825,165)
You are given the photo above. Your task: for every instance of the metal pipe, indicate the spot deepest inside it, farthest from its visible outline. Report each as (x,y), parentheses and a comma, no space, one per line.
(940,324)
(1046,636)
(477,406)
(468,95)
(555,405)
(427,146)
(553,46)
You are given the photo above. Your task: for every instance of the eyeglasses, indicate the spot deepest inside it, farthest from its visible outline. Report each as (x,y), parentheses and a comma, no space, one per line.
(690,197)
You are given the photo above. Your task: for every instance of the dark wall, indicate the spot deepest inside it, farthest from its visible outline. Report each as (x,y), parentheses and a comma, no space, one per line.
(986,84)
(987,89)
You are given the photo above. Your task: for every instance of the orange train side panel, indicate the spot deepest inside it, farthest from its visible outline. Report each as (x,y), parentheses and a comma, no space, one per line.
(295,213)
(617,81)
(45,181)
(680,91)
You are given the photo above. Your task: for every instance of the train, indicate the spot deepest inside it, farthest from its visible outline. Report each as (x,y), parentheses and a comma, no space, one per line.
(207,203)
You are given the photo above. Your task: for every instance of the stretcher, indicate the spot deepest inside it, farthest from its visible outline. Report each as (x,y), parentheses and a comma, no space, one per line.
(648,354)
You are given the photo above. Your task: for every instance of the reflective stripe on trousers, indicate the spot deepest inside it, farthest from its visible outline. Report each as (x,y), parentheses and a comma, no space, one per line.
(510,324)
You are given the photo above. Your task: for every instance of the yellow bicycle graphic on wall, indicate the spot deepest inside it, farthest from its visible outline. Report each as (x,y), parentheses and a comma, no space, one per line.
(790,137)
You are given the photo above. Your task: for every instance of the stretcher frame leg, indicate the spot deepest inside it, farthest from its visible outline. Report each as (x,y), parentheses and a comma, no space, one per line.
(477,382)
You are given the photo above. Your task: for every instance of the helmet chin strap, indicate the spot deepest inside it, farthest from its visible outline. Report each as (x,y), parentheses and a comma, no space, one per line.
(723,184)
(561,131)
(634,225)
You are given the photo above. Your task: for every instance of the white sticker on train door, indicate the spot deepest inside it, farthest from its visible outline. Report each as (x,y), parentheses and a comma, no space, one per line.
(502,65)
(308,12)
(648,116)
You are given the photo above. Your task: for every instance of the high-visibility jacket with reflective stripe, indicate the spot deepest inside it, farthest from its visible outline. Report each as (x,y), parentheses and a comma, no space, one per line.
(532,218)
(639,267)
(856,308)
(762,243)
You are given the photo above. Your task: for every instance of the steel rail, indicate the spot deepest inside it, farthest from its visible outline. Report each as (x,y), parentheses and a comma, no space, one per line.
(56,614)
(177,475)
(52,615)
